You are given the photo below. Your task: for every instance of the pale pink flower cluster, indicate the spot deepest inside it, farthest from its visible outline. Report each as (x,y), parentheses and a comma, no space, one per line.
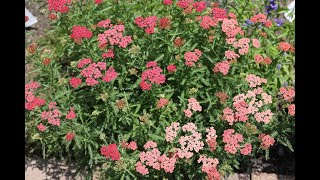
(288,93)
(192,57)
(243,109)
(232,140)
(211,138)
(149,145)
(243,45)
(209,167)
(53,115)
(266,141)
(194,105)
(231,55)
(254,80)
(154,159)
(222,67)
(230,27)
(189,143)
(172,131)
(264,116)
(255,43)
(114,35)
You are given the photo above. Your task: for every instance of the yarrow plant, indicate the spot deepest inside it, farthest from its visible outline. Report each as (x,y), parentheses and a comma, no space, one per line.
(164,89)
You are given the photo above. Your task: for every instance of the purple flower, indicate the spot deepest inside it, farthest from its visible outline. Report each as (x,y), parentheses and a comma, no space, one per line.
(279,22)
(248,22)
(278,66)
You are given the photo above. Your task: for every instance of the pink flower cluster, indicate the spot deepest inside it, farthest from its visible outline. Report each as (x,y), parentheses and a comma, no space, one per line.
(31,100)
(230,27)
(162,102)
(284,46)
(93,72)
(184,3)
(207,22)
(108,54)
(222,96)
(259,18)
(189,143)
(154,159)
(111,151)
(41,127)
(151,76)
(194,105)
(148,23)
(246,149)
(264,116)
(167,2)
(288,93)
(292,109)
(114,35)
(232,140)
(80,32)
(59,5)
(231,55)
(254,80)
(209,167)
(199,6)
(172,131)
(211,138)
(171,68)
(219,14)
(243,109)
(69,136)
(259,59)
(222,67)
(75,82)
(266,141)
(71,114)
(104,23)
(243,45)
(132,145)
(53,115)
(255,43)
(192,57)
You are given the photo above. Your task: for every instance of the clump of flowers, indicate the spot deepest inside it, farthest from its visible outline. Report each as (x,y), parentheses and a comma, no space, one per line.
(172,131)
(288,93)
(192,57)
(132,145)
(111,151)
(59,5)
(148,23)
(69,136)
(266,141)
(151,76)
(162,102)
(209,167)
(53,115)
(222,67)
(232,140)
(71,114)
(254,80)
(222,96)
(31,101)
(284,46)
(114,36)
(292,109)
(80,32)
(194,105)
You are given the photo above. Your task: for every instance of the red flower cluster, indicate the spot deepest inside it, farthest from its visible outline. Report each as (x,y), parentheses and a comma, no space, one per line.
(164,23)
(219,14)
(31,100)
(59,5)
(151,76)
(111,151)
(71,114)
(75,82)
(171,68)
(69,136)
(80,32)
